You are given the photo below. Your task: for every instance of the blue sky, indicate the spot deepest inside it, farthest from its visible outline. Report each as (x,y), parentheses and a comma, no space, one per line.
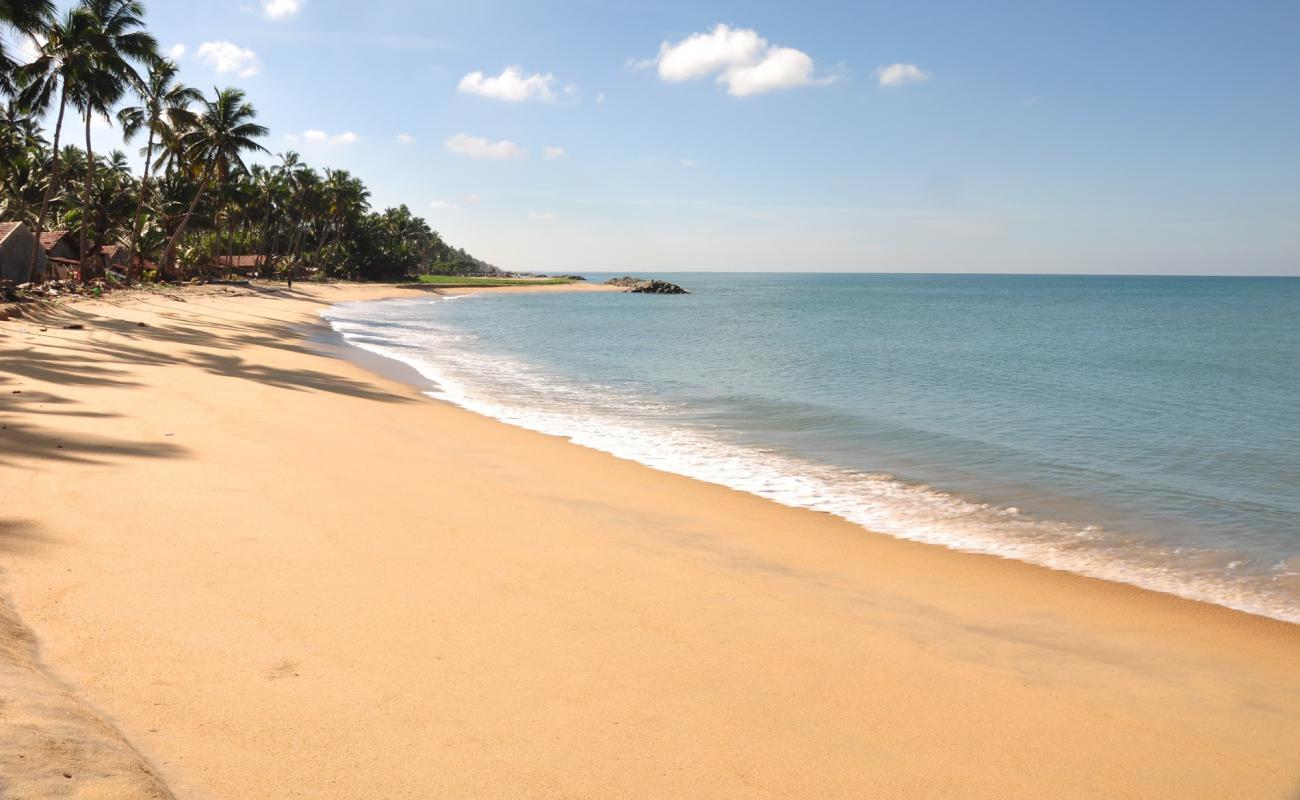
(1007,137)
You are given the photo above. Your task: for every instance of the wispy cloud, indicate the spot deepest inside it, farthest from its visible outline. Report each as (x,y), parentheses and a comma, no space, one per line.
(281,9)
(739,59)
(511,86)
(481,148)
(543,216)
(405,138)
(224,57)
(315,136)
(551,153)
(689,163)
(900,74)
(176,52)
(443,205)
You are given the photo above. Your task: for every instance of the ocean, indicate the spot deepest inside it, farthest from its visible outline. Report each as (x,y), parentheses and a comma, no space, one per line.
(1138,429)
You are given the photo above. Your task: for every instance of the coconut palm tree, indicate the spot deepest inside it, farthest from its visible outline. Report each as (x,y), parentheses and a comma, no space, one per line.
(117,38)
(165,104)
(63,61)
(346,199)
(225,131)
(27,18)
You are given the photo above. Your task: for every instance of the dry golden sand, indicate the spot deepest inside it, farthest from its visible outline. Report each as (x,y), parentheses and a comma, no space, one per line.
(279,575)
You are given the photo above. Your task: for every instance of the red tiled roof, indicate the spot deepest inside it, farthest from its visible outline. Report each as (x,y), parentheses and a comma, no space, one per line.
(51,238)
(7,228)
(110,250)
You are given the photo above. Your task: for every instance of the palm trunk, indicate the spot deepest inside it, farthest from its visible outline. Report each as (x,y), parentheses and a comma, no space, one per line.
(54,178)
(170,251)
(338,242)
(264,255)
(230,238)
(138,222)
(85,202)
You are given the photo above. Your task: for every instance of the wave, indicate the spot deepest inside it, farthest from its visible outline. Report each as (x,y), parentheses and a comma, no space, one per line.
(669,436)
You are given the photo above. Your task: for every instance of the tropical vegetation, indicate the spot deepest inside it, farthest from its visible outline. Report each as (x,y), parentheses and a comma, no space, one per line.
(196,199)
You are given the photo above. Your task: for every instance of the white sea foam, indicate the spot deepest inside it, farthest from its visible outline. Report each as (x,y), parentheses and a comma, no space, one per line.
(644,430)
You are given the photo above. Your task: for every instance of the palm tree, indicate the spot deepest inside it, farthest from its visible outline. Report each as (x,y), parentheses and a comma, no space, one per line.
(346,198)
(22,163)
(63,59)
(165,103)
(117,38)
(225,131)
(27,18)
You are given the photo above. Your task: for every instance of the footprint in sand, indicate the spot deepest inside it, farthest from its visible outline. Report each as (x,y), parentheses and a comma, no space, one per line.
(284,669)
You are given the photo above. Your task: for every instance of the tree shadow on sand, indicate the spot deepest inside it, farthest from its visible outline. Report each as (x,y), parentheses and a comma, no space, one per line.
(76,357)
(19,536)
(23,438)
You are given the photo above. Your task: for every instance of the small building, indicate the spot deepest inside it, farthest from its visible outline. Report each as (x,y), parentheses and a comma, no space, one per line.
(16,245)
(243,264)
(61,244)
(114,256)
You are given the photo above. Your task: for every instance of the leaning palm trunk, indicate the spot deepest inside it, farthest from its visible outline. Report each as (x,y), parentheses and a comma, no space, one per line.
(85,203)
(54,179)
(264,254)
(169,253)
(138,222)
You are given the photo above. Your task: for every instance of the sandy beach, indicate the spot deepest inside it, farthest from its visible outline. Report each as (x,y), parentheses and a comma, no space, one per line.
(237,565)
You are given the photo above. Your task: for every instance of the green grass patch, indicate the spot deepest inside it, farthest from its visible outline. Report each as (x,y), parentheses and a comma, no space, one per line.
(453,281)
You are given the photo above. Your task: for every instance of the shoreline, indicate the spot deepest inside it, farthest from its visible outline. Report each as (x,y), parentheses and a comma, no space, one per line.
(389,360)
(860,629)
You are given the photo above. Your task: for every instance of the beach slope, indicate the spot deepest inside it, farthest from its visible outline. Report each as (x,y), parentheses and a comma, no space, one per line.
(255,569)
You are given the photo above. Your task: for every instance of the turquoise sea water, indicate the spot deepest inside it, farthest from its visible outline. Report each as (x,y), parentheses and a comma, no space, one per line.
(1139,429)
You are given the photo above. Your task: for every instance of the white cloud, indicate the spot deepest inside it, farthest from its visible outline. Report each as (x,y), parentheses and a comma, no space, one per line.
(443,205)
(472,199)
(176,52)
(479,147)
(321,137)
(544,216)
(281,9)
(900,74)
(511,85)
(780,68)
(405,139)
(228,57)
(552,153)
(741,60)
(702,54)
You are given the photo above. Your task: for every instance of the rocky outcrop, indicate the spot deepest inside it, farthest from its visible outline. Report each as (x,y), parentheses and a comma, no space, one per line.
(645,286)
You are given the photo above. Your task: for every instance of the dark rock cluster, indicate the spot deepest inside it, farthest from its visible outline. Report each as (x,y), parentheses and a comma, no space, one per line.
(645,286)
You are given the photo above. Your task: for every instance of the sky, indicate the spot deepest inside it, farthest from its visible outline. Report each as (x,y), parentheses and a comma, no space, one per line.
(1034,136)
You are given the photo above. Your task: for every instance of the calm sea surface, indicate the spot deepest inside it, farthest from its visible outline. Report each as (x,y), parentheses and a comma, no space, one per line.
(1139,429)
